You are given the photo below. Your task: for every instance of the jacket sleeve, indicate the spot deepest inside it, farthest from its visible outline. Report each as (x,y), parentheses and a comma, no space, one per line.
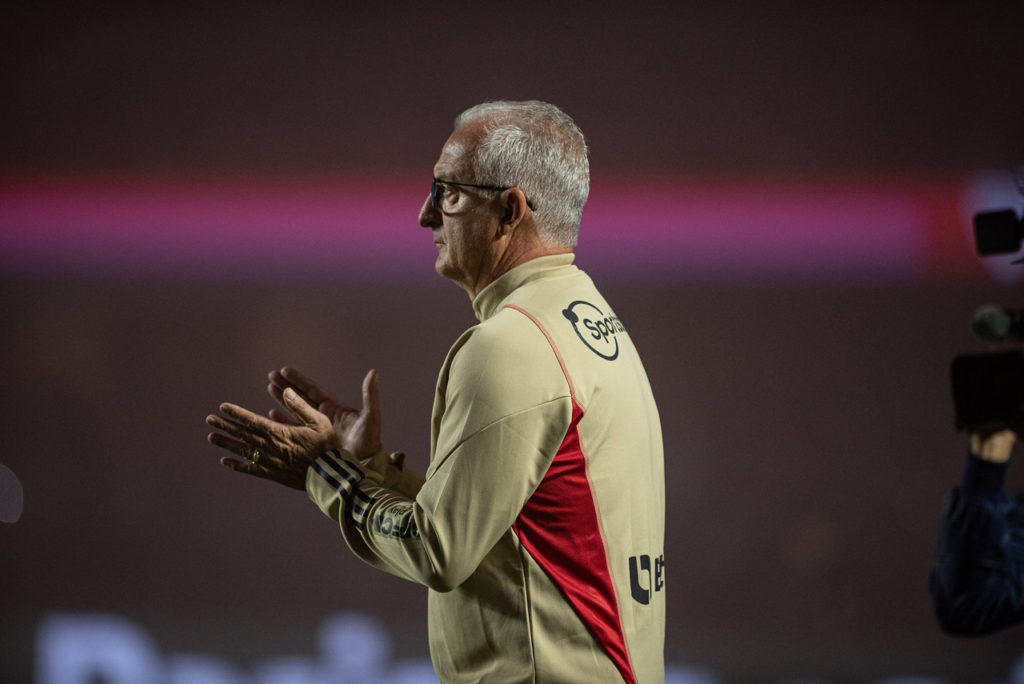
(977,575)
(392,473)
(506,409)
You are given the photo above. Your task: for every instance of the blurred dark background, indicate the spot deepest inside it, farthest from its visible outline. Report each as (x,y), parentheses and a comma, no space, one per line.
(808,421)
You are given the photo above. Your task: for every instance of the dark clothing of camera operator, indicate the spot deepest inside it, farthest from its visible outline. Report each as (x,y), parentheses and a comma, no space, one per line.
(977,578)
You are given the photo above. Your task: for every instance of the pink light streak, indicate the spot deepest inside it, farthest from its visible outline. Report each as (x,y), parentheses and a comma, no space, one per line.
(647,227)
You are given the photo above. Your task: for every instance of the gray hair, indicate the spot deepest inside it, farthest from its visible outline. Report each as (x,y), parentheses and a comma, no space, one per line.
(536,147)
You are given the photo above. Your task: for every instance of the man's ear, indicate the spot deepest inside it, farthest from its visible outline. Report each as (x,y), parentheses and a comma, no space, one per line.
(514,208)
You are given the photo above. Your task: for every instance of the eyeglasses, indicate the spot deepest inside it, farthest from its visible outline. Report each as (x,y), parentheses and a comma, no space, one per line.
(437,190)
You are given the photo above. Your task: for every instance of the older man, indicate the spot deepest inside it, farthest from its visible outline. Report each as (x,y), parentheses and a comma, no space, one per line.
(539,525)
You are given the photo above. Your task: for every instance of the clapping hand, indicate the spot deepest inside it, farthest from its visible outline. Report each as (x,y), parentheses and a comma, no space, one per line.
(358,430)
(282,447)
(272,449)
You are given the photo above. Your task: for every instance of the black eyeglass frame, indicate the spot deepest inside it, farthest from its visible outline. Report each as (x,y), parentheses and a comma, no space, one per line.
(436,190)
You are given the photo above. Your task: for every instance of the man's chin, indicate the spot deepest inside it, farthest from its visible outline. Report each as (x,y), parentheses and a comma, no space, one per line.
(442,266)
(447,271)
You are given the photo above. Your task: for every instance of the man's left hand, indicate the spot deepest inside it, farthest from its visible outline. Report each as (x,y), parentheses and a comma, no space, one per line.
(270,449)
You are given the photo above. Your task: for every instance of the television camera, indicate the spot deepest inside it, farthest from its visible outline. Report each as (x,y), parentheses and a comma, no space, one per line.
(988,389)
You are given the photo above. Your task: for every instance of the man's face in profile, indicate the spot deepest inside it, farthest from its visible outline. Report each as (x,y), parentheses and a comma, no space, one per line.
(464,220)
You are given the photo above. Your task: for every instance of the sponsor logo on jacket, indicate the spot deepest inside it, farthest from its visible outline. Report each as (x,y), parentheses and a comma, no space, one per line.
(392,523)
(642,583)
(596,329)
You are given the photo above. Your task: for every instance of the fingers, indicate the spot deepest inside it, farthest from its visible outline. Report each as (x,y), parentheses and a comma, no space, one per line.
(240,434)
(286,444)
(235,446)
(310,392)
(268,464)
(281,416)
(237,440)
(301,408)
(278,384)
(303,385)
(245,433)
(277,415)
(241,422)
(250,430)
(245,466)
(371,394)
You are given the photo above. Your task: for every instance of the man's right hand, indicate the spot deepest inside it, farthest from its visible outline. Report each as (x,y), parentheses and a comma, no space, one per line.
(359,430)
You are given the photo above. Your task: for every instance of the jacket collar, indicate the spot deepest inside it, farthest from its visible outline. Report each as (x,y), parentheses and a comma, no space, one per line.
(490,298)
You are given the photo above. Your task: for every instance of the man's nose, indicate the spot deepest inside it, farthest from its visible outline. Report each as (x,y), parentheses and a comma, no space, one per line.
(429,216)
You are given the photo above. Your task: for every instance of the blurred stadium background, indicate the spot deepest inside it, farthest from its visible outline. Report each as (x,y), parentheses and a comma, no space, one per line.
(192,195)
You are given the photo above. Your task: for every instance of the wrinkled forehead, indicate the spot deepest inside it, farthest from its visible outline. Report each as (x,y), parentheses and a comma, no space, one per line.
(457,152)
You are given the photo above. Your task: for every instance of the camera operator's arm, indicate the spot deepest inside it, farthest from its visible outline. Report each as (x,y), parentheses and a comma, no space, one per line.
(976,579)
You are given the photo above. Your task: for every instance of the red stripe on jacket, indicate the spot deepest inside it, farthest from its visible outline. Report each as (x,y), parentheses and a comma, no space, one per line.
(559,527)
